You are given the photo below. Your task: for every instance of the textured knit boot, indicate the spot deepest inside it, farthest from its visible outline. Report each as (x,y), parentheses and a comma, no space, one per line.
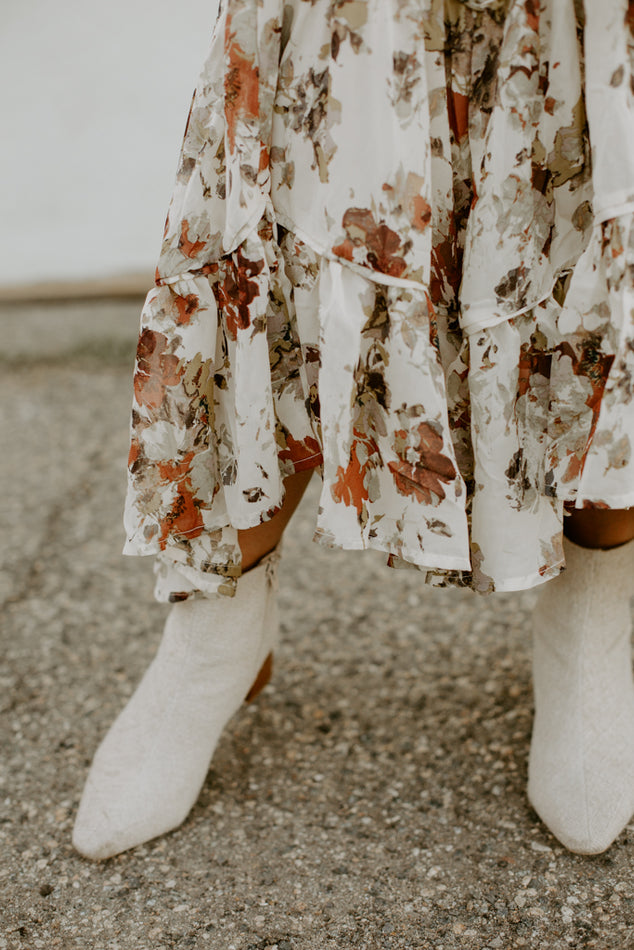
(581,766)
(150,768)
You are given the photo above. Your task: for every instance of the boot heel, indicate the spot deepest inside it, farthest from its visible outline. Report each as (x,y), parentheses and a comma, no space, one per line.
(261,679)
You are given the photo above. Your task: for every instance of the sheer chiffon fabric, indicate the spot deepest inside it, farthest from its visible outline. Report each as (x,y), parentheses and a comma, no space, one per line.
(400,249)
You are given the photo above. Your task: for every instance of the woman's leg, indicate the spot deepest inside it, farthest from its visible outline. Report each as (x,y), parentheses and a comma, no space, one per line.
(599,528)
(257,542)
(581,767)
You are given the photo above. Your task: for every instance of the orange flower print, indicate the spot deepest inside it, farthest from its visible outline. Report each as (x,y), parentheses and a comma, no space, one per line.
(186,308)
(422,480)
(532,14)
(188,248)
(236,293)
(446,270)
(381,243)
(420,212)
(241,87)
(134,453)
(458,111)
(183,517)
(532,361)
(156,369)
(173,469)
(303,454)
(350,488)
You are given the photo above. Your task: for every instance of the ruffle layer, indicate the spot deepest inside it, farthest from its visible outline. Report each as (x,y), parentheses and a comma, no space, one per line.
(277,359)
(274,360)
(453,407)
(551,416)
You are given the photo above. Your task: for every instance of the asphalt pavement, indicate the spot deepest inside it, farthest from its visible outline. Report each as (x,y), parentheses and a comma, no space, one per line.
(372,797)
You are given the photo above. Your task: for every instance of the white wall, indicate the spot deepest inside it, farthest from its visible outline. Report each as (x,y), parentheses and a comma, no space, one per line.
(93,99)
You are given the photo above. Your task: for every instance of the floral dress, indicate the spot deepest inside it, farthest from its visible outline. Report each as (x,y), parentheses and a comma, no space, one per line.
(400,249)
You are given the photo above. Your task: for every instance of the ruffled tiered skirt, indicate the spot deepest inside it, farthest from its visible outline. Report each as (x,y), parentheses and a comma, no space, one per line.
(400,249)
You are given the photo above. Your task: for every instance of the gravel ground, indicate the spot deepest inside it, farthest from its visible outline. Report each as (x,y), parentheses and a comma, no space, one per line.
(372,797)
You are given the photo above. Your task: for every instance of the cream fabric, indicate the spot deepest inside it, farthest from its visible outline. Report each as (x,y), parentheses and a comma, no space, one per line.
(400,248)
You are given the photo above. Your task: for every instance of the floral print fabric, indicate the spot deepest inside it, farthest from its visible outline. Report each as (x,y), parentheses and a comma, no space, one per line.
(400,248)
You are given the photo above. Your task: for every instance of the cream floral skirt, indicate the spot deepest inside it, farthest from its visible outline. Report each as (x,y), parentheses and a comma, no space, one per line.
(400,249)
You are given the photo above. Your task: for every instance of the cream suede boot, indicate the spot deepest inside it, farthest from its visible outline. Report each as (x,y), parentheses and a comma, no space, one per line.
(150,768)
(581,765)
